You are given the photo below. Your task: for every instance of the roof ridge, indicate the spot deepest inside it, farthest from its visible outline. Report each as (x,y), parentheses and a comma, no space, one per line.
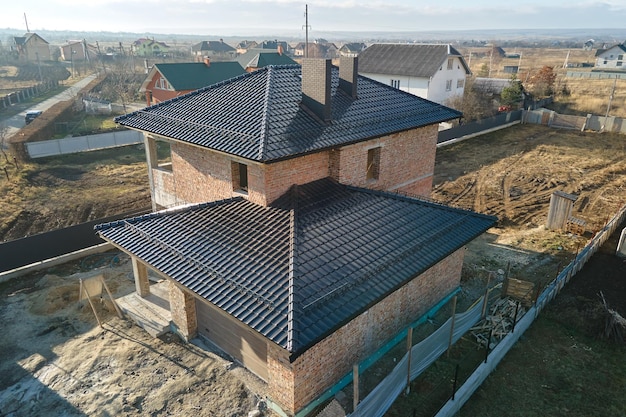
(266,109)
(292,304)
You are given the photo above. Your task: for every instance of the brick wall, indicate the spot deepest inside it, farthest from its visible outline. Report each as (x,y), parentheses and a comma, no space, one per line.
(280,176)
(199,175)
(323,365)
(183,309)
(407,162)
(203,175)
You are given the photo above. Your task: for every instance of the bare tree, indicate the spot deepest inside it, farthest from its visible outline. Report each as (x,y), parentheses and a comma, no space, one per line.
(122,82)
(475,103)
(4,137)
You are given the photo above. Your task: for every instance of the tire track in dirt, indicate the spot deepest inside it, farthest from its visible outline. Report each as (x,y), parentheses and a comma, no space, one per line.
(479,197)
(461,196)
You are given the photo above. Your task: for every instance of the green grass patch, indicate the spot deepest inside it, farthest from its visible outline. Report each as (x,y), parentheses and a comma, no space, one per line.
(557,369)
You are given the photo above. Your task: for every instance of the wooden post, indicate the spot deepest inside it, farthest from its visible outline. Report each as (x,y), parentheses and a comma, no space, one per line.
(484,310)
(488,343)
(409,346)
(90,303)
(515,317)
(117,308)
(452,326)
(355,386)
(456,378)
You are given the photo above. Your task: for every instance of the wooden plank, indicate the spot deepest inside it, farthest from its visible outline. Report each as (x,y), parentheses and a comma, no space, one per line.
(233,337)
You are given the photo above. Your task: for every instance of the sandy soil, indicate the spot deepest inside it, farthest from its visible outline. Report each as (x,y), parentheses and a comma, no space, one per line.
(57,361)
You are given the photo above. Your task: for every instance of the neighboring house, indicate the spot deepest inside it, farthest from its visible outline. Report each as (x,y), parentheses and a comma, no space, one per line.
(215,50)
(274,45)
(352,49)
(316,50)
(433,72)
(259,58)
(244,46)
(612,57)
(166,81)
(149,48)
(31,48)
(491,86)
(78,51)
(588,45)
(295,245)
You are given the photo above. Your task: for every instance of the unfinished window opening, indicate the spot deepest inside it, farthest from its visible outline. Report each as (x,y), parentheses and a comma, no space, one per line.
(240,177)
(450,63)
(373,163)
(164,155)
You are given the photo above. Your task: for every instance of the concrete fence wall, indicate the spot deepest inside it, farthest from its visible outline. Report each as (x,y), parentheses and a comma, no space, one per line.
(26,93)
(590,122)
(453,406)
(83,143)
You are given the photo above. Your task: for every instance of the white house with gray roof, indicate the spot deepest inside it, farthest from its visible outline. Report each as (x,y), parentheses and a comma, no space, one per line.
(434,72)
(612,57)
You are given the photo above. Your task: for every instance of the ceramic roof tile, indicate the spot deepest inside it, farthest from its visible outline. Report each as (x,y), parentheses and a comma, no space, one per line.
(258,115)
(351,247)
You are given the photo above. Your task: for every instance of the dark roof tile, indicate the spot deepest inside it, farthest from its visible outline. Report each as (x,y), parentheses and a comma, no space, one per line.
(351,248)
(258,115)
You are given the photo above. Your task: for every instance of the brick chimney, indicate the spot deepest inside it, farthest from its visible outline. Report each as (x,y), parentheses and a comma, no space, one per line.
(280,49)
(316,77)
(348,75)
(207,61)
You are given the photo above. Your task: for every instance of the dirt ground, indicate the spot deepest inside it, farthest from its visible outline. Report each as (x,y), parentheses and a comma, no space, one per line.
(57,361)
(52,193)
(55,357)
(512,174)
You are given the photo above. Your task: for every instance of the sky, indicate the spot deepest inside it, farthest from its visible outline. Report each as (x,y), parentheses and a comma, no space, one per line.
(248,17)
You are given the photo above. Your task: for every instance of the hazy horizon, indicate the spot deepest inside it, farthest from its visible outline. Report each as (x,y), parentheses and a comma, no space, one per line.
(287,17)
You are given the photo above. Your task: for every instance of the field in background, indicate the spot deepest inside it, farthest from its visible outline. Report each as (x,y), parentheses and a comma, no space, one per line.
(582,95)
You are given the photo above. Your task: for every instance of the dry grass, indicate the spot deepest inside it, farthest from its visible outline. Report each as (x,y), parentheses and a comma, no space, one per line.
(51,193)
(585,95)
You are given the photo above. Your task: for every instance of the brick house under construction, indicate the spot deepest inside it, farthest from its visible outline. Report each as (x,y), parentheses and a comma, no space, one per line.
(293,238)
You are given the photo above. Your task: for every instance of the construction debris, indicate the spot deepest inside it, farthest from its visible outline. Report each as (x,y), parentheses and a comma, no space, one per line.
(499,322)
(517,289)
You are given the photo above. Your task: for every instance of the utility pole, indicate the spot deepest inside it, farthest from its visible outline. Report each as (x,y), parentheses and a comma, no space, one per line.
(306,27)
(26,21)
(608,109)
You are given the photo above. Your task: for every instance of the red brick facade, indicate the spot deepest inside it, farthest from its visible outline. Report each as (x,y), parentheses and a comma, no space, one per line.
(293,385)
(156,95)
(407,162)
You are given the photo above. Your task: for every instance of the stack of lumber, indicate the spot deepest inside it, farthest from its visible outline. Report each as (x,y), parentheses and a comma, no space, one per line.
(498,322)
